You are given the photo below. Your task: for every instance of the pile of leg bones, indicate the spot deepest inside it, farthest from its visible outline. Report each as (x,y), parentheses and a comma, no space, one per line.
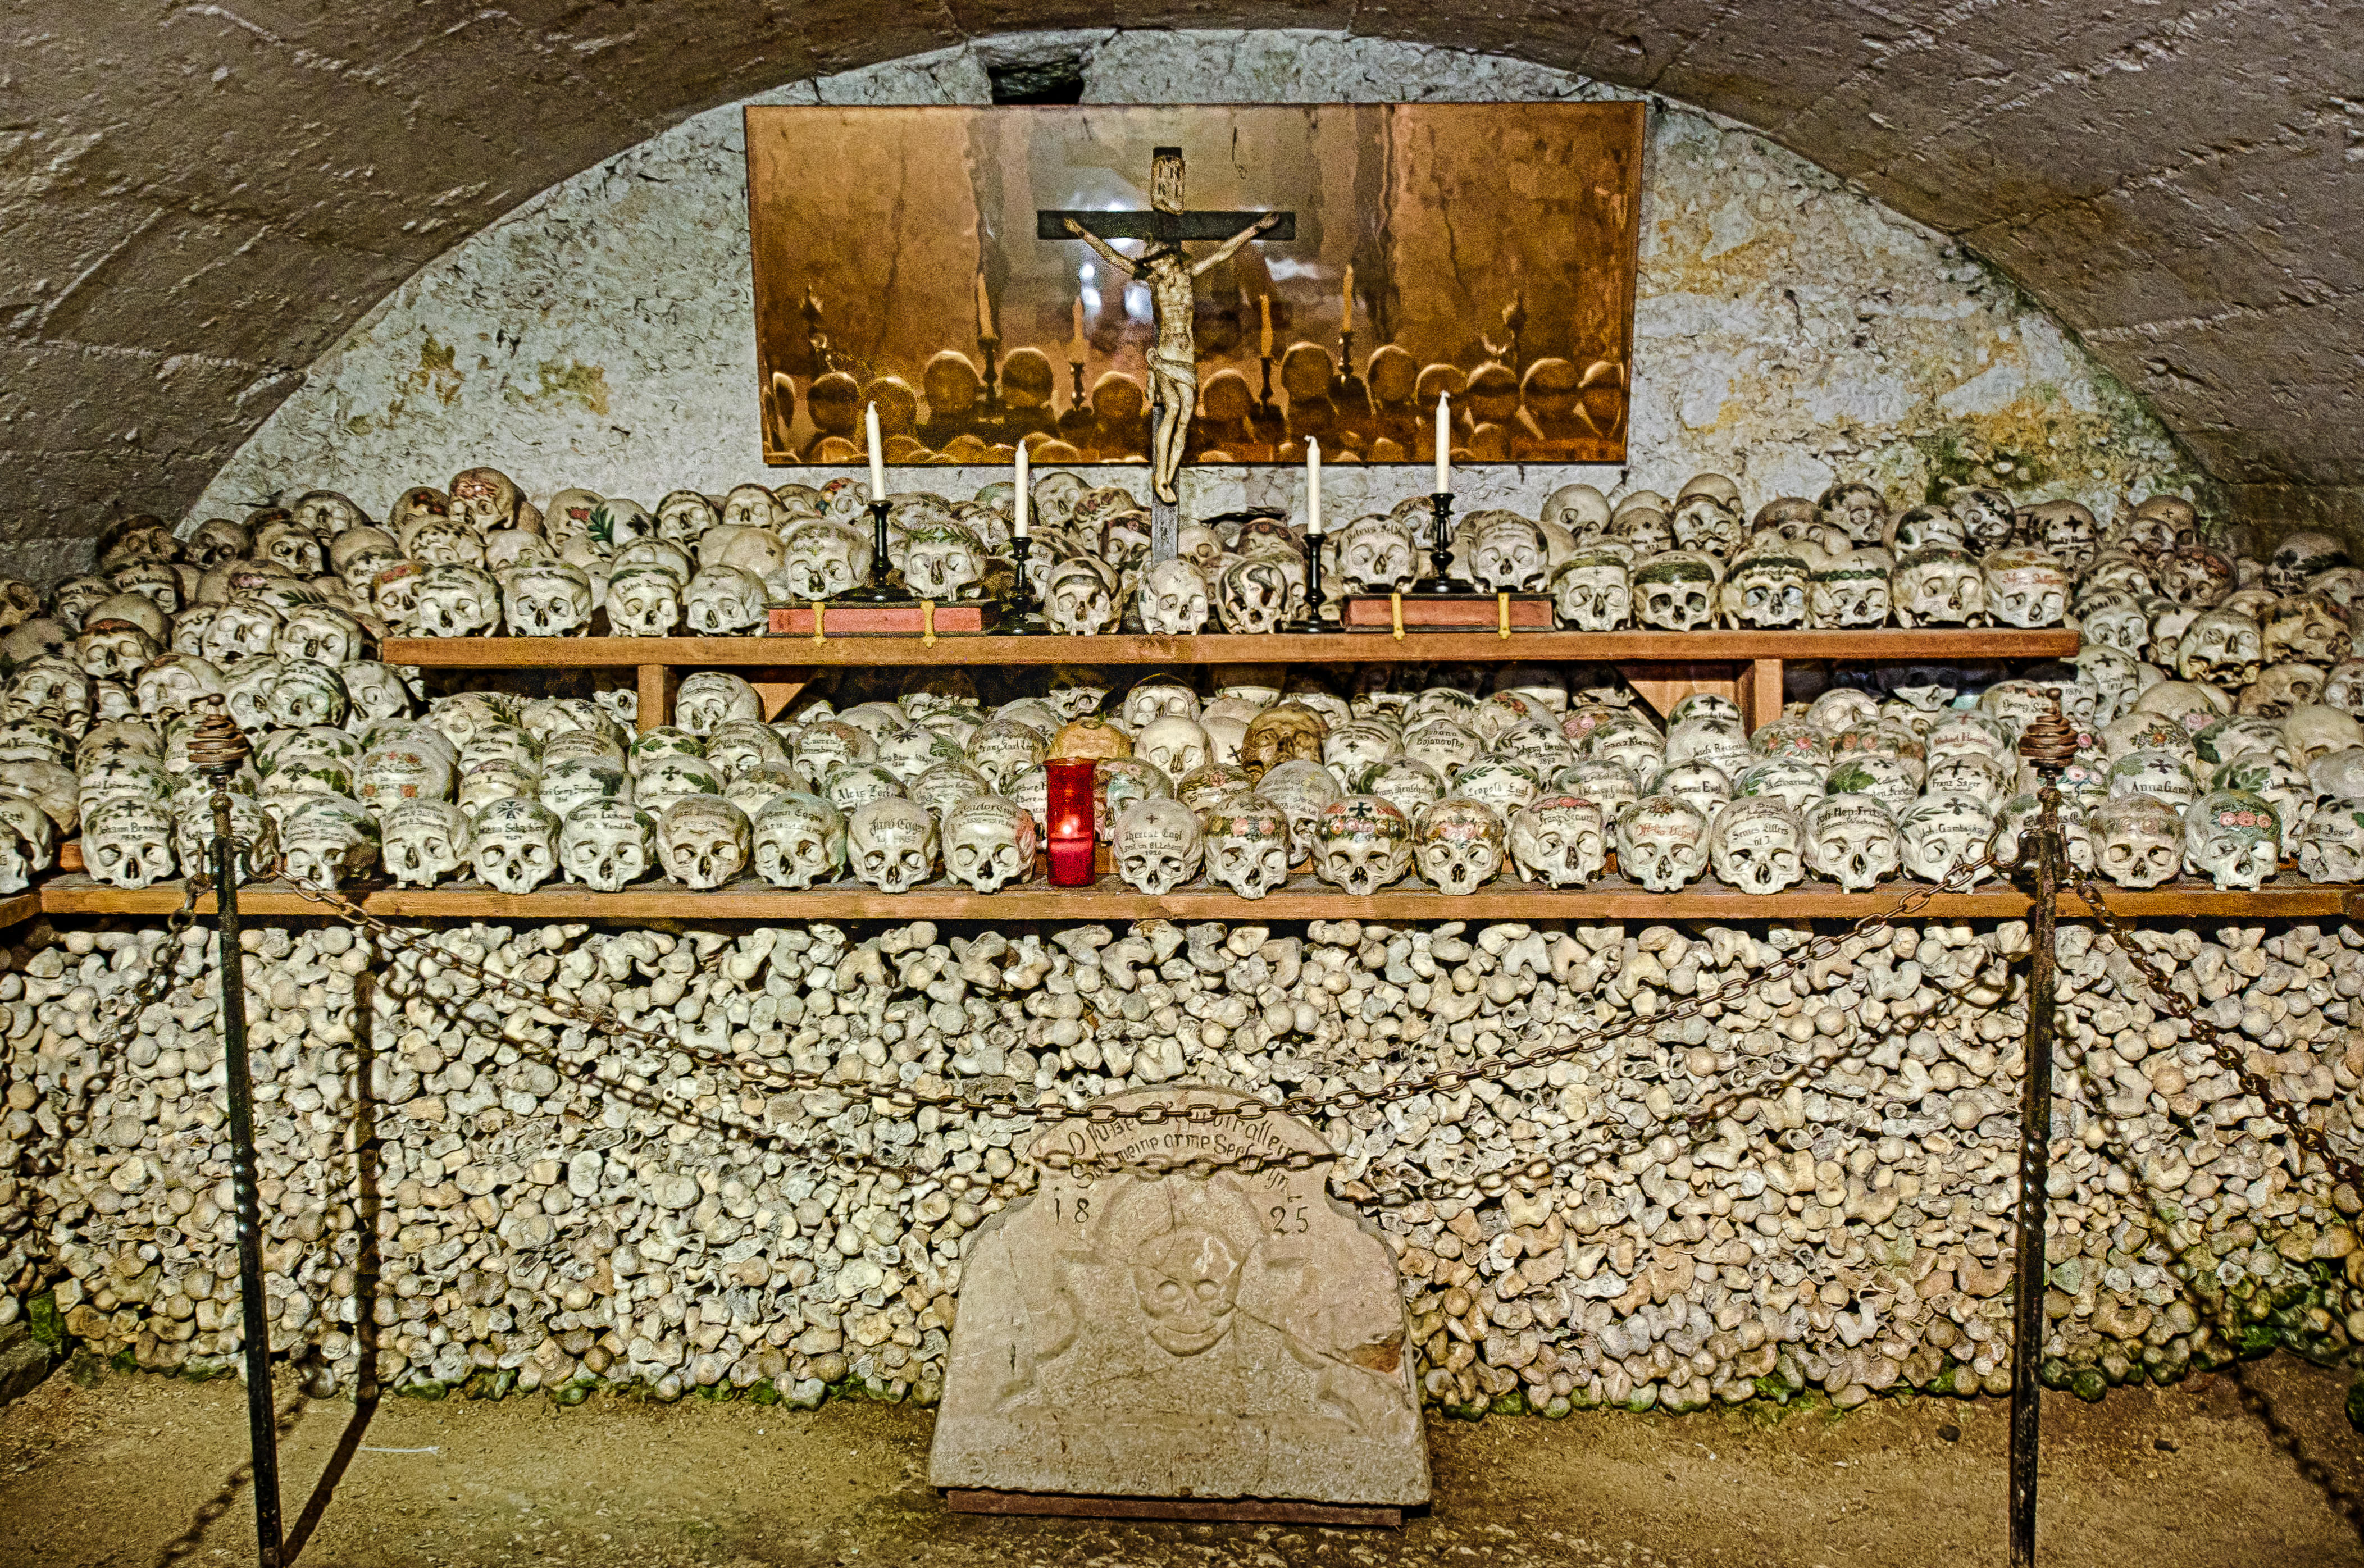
(1849,1230)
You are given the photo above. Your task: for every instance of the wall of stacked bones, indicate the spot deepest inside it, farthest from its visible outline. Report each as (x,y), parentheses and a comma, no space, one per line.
(453,1202)
(2215,693)
(505,1225)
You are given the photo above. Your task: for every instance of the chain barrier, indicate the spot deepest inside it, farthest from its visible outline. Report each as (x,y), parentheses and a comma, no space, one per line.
(2230,1056)
(1695,1128)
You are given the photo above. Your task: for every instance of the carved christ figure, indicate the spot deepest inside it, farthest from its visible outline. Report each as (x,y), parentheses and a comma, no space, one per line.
(1170,275)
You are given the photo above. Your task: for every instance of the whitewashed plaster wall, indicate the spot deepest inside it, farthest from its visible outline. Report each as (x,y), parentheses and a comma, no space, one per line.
(1791,329)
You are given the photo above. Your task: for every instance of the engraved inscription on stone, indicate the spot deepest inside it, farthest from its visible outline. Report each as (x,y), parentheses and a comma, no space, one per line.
(1232,1335)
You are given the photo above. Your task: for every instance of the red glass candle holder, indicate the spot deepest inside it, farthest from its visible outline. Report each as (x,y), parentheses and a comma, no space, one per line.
(1068,830)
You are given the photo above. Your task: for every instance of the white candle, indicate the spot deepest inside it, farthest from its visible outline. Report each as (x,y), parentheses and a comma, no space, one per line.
(984,310)
(1312,488)
(1346,301)
(879,455)
(1444,443)
(1017,517)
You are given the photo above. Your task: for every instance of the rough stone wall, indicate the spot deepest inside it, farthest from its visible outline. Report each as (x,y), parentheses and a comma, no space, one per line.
(1790,328)
(447,1196)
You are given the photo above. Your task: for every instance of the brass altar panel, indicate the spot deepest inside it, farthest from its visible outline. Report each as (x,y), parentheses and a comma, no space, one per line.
(1492,251)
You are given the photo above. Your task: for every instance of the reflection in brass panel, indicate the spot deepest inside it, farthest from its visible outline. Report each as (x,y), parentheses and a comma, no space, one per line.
(898,256)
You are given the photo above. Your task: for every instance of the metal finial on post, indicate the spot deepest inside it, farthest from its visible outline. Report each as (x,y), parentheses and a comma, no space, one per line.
(217,748)
(2049,744)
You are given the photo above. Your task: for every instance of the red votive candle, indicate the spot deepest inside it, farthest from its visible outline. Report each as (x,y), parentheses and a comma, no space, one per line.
(1068,829)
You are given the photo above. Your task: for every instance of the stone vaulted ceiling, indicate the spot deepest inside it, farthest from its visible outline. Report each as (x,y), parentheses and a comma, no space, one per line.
(200,198)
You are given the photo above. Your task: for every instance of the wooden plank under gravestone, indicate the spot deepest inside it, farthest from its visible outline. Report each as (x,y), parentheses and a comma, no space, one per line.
(1234,1336)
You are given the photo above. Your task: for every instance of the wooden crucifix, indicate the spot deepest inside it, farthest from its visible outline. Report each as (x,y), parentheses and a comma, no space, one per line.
(1173,361)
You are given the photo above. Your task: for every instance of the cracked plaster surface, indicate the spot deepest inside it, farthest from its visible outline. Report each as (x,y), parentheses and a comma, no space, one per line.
(1791,330)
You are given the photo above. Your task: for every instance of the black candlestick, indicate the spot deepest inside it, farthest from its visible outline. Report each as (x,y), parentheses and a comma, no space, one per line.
(1440,578)
(1026,616)
(1313,597)
(886,587)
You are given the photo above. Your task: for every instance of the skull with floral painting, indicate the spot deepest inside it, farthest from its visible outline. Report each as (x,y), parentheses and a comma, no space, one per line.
(1661,842)
(2232,838)
(1247,845)
(1361,844)
(2025,586)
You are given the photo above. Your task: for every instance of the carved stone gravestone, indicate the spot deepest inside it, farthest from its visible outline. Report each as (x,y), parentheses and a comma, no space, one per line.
(1224,1344)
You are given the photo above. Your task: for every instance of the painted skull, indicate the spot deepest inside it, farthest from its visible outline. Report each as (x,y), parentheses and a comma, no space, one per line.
(607,844)
(2140,840)
(2233,838)
(1852,840)
(2025,586)
(988,842)
(329,841)
(424,840)
(1592,590)
(453,601)
(1767,591)
(724,601)
(1756,845)
(1506,552)
(1560,840)
(516,844)
(702,842)
(1375,555)
(2332,848)
(1675,591)
(2306,629)
(1247,846)
(1361,843)
(2222,648)
(1158,845)
(128,841)
(1943,831)
(1253,596)
(1661,843)
(892,844)
(547,599)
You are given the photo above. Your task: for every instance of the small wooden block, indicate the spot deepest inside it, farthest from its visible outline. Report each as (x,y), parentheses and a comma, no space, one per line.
(1220,1510)
(883,620)
(1446,612)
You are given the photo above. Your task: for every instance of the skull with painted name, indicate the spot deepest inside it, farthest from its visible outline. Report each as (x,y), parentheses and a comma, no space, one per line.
(990,842)
(1560,840)
(2332,848)
(607,844)
(545,598)
(516,844)
(1661,842)
(128,841)
(724,601)
(452,601)
(1852,840)
(702,842)
(328,839)
(892,844)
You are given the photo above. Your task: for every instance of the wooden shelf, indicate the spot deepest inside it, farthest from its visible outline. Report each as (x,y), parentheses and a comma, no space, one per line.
(18,908)
(1303,898)
(1343,648)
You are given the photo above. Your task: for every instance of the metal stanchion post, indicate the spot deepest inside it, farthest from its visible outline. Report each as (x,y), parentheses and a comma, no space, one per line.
(2049,745)
(216,750)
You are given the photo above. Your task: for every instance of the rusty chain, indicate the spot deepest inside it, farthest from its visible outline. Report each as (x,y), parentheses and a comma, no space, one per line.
(1695,1129)
(2229,1056)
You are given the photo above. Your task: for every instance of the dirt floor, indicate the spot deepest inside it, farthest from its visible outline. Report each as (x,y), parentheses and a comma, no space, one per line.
(123,1469)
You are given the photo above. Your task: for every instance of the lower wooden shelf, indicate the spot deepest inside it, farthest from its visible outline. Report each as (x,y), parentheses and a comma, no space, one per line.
(1303,898)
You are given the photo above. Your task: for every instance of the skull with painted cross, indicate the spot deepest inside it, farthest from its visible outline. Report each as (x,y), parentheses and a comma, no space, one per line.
(1767,590)
(1361,843)
(1943,831)
(1592,590)
(1158,845)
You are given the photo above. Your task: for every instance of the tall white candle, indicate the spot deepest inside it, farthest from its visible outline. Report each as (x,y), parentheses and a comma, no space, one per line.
(1017,517)
(879,455)
(1312,488)
(1444,443)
